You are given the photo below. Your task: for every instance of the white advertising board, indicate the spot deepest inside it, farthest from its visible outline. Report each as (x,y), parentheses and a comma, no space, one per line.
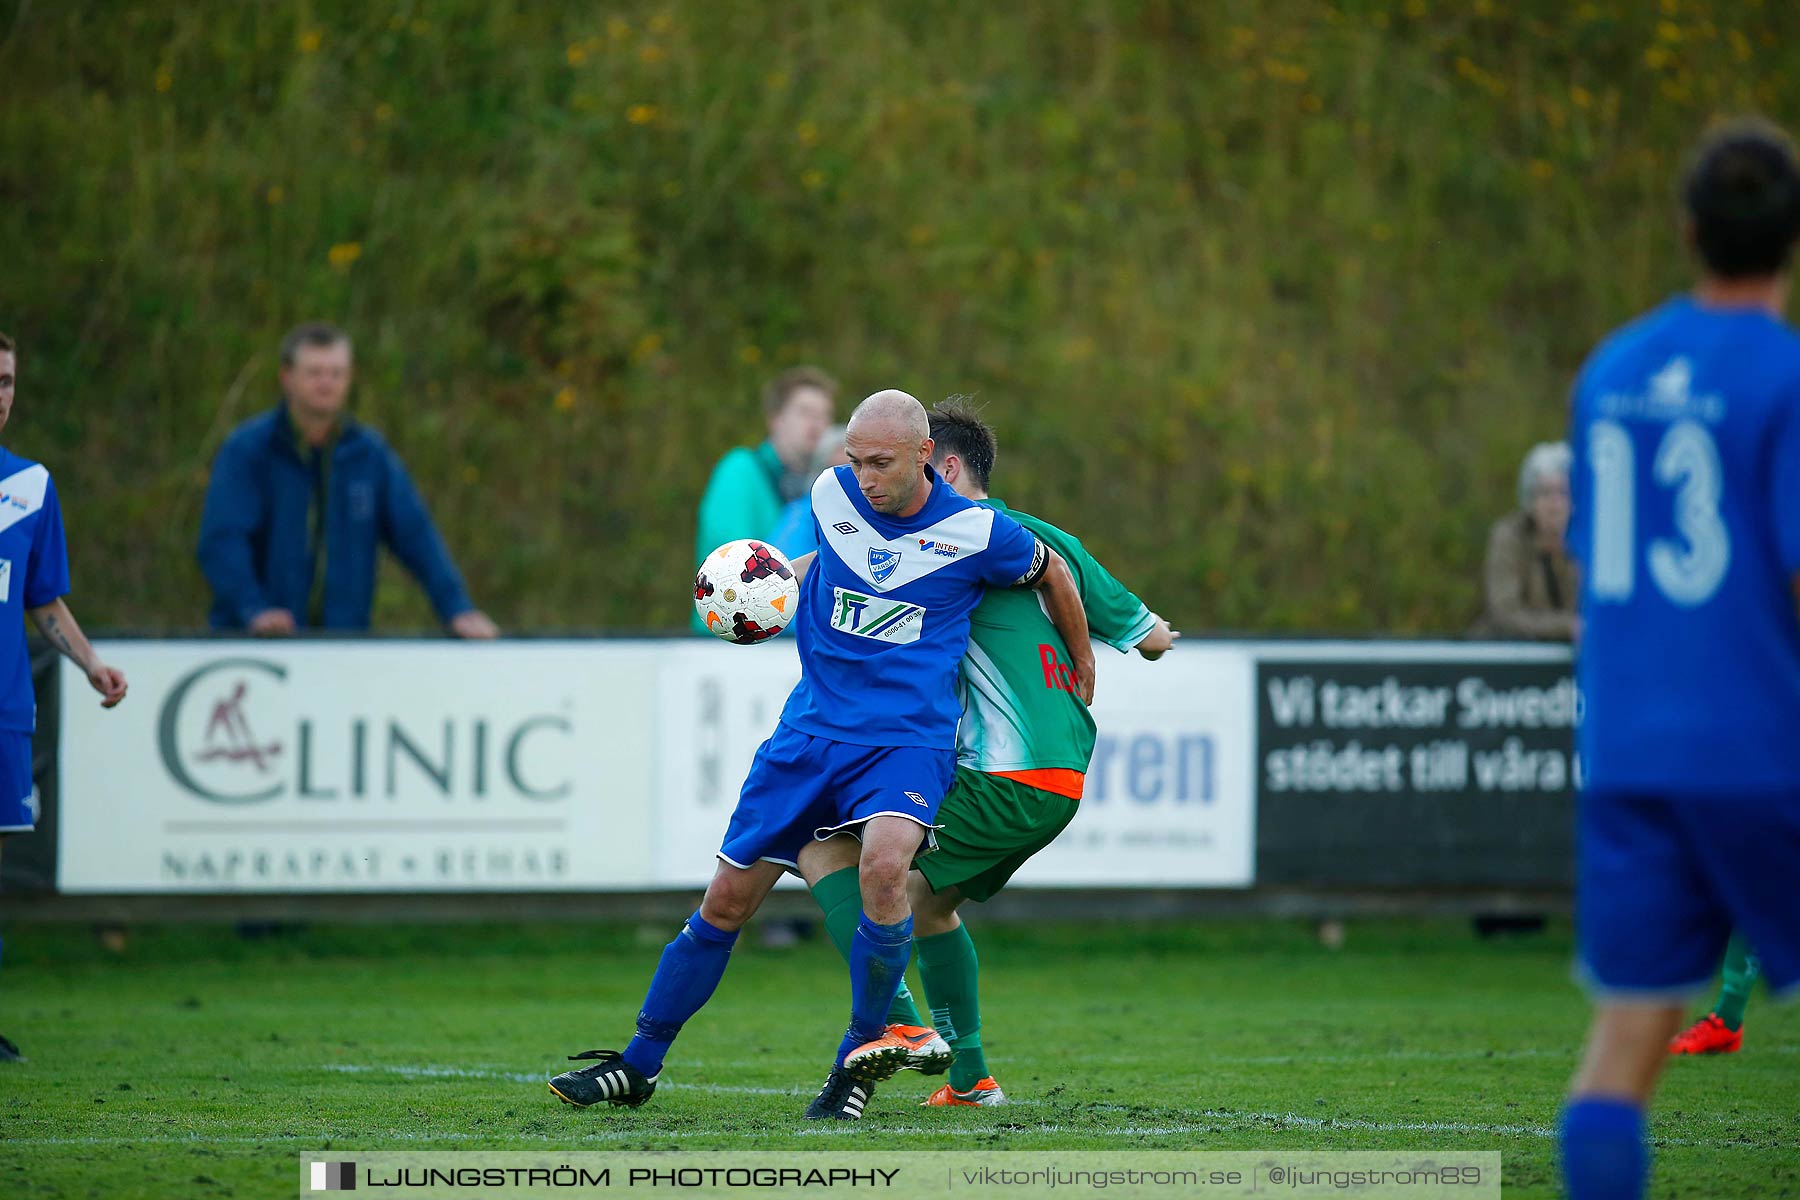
(359,767)
(1170,793)
(716,704)
(565,766)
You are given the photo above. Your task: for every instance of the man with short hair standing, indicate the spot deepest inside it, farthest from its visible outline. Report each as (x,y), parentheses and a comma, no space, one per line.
(300,499)
(34,577)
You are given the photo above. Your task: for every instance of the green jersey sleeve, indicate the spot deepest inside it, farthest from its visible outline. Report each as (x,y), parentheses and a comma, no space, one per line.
(1115,616)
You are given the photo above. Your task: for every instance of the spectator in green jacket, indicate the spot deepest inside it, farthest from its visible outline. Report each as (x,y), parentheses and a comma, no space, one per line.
(751,485)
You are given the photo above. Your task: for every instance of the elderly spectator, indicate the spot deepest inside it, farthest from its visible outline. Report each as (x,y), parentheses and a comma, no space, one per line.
(299,499)
(1529,585)
(752,484)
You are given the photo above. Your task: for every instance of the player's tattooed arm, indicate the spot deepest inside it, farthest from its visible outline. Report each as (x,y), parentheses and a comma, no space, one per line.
(1062,600)
(59,627)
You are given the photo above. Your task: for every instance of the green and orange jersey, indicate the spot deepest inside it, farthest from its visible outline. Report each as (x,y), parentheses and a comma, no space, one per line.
(1021,718)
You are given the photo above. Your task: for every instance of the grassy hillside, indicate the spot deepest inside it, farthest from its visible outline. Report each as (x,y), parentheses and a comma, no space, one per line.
(1266,299)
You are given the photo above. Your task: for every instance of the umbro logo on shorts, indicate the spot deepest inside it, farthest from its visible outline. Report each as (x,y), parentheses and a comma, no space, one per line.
(916,799)
(873,617)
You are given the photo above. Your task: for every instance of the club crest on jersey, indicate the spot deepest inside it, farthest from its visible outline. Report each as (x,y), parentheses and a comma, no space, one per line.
(882,563)
(873,617)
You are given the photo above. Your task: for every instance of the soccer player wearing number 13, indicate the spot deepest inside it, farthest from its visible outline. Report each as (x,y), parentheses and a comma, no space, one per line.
(1686,481)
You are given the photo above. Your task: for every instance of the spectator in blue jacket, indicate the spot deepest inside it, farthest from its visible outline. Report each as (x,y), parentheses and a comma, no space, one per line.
(299,499)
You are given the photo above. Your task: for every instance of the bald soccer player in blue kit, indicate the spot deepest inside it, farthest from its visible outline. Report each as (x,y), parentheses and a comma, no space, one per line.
(866,743)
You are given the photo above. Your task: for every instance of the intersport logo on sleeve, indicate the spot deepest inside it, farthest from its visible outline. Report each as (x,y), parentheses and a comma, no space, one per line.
(875,617)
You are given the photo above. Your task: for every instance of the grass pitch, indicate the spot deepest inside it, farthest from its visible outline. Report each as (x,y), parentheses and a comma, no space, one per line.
(203,1064)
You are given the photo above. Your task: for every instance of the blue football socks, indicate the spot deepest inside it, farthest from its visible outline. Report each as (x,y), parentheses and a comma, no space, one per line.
(878,957)
(686,977)
(1603,1152)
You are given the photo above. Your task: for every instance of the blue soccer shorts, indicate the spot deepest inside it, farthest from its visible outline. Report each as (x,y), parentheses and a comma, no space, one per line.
(1662,882)
(803,788)
(18,798)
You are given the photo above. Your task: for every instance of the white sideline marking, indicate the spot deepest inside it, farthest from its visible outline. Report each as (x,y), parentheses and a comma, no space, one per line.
(986,1129)
(1379,1056)
(1210,1126)
(1215,1119)
(527,1077)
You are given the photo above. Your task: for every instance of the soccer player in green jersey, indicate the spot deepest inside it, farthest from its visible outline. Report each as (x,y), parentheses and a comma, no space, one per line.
(1023,747)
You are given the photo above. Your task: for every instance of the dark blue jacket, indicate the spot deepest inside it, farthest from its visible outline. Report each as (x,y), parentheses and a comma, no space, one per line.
(255,540)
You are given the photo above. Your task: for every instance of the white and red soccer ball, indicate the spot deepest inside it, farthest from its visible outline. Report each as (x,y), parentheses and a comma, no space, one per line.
(746,592)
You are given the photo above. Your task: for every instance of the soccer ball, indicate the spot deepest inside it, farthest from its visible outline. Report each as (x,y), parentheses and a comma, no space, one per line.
(746,592)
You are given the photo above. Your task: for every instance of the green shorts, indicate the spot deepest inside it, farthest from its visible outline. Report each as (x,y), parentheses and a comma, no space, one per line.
(990,826)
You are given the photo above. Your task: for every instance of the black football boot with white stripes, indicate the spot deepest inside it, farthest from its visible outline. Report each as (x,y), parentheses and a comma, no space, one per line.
(841,1099)
(612,1080)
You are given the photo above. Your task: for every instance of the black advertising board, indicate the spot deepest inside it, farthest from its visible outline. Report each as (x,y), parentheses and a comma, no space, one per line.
(1418,772)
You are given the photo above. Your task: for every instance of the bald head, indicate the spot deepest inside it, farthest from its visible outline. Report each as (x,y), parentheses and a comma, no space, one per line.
(893,413)
(888,442)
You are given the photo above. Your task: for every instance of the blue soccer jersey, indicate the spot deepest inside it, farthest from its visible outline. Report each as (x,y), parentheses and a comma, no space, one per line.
(1686,490)
(884,612)
(34,570)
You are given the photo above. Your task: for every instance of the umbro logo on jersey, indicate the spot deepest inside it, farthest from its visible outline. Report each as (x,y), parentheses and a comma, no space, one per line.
(916,799)
(882,563)
(943,549)
(846,528)
(872,617)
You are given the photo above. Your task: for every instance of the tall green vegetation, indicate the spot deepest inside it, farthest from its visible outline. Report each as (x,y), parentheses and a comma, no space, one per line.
(1265,299)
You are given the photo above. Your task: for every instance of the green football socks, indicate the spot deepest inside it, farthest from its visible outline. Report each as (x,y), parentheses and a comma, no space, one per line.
(1740,972)
(950,973)
(839,897)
